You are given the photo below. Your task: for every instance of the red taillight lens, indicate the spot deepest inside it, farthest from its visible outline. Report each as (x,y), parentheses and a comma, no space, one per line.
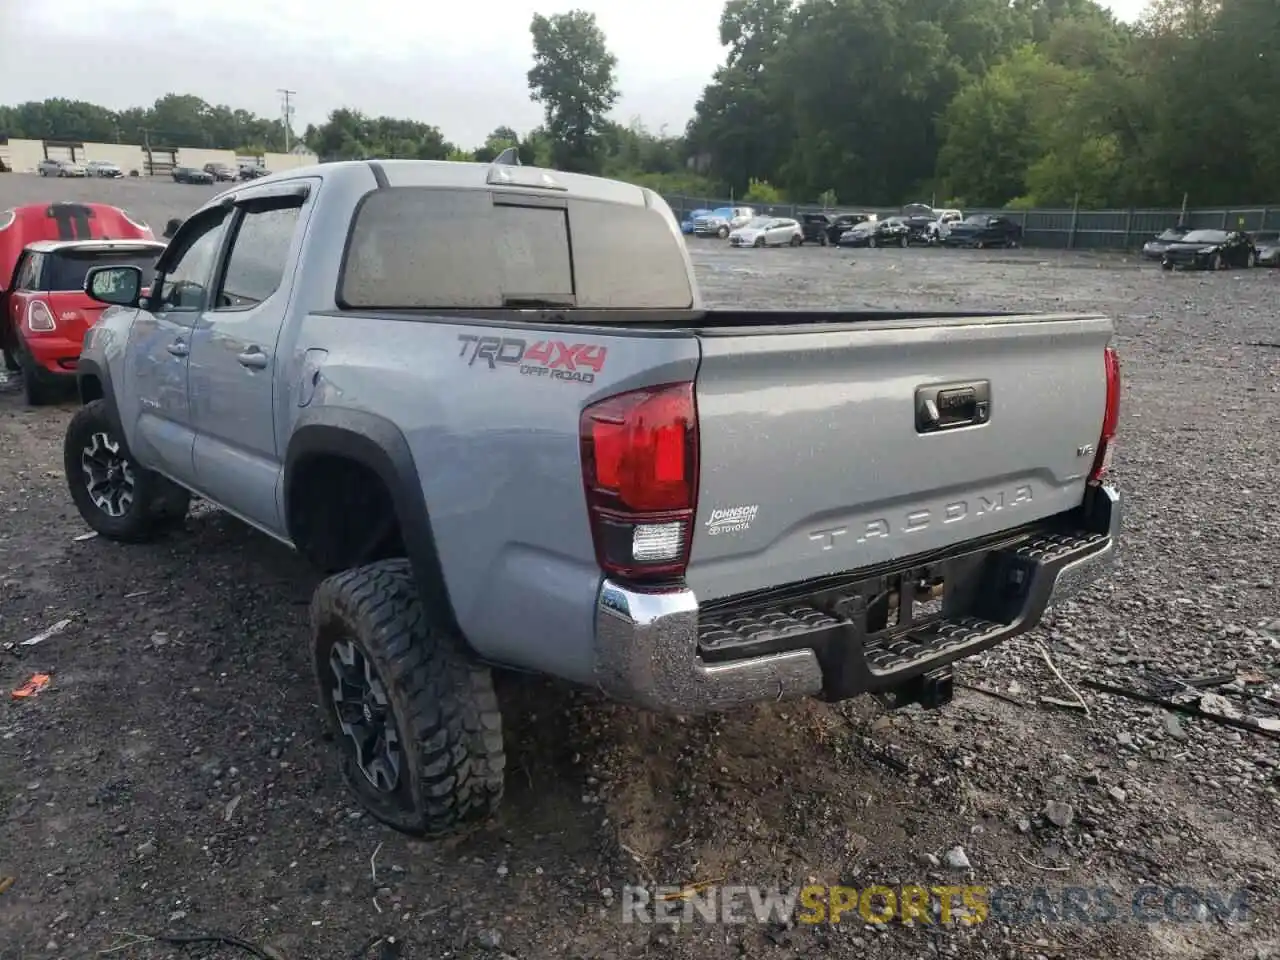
(1110,418)
(40,317)
(640,471)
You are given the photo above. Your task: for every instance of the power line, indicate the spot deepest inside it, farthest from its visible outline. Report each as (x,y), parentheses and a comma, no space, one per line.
(288,112)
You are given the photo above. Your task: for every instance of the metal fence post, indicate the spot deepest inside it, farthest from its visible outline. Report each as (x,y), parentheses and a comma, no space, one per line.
(1075,219)
(1128,228)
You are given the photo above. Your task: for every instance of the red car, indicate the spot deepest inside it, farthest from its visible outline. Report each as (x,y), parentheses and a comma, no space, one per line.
(45,251)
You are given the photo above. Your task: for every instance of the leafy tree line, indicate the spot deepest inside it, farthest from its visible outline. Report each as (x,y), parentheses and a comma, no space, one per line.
(982,102)
(993,102)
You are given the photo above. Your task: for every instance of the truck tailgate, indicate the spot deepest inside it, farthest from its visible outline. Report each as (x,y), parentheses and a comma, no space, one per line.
(821,450)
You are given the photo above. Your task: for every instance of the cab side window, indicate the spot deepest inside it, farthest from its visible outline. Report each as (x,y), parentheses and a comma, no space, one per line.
(184,286)
(259,256)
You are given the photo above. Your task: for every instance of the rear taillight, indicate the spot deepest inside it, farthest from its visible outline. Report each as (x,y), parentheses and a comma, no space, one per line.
(40,317)
(640,470)
(1110,418)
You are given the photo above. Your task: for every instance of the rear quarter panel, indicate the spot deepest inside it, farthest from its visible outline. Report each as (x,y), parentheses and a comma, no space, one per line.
(496,446)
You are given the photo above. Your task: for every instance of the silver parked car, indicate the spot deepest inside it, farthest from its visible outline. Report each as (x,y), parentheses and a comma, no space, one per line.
(1268,244)
(104,168)
(60,168)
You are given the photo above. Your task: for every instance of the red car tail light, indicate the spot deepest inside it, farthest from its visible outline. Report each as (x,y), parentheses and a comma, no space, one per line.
(40,317)
(640,472)
(71,316)
(1110,418)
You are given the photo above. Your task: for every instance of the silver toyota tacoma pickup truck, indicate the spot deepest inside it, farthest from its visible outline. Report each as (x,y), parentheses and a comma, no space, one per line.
(488,401)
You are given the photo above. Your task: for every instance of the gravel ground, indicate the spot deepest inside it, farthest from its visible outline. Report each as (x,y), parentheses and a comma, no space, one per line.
(173,777)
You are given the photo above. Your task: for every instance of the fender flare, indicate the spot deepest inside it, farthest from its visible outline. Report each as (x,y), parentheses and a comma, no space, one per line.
(378,444)
(91,369)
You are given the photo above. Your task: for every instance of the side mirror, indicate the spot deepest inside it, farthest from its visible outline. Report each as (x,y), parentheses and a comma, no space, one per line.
(118,286)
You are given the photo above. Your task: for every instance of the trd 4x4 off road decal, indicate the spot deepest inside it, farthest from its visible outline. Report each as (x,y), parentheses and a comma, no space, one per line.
(555,359)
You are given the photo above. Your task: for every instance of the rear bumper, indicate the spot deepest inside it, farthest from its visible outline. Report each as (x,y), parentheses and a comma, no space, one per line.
(660,651)
(54,355)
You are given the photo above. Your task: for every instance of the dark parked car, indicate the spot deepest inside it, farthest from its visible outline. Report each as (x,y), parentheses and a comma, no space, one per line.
(1210,250)
(1154,248)
(220,171)
(1268,246)
(844,222)
(816,228)
(249,171)
(984,230)
(892,232)
(920,219)
(191,175)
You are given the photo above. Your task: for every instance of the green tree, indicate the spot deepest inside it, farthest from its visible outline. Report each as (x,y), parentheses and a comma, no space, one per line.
(573,78)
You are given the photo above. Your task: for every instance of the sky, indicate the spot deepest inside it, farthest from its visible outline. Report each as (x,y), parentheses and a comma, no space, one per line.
(458,65)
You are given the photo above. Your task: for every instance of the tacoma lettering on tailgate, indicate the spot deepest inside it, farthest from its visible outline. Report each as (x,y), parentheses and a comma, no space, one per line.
(555,359)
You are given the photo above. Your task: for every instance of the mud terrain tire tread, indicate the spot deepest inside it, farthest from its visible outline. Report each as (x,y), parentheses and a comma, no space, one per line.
(443,700)
(158,502)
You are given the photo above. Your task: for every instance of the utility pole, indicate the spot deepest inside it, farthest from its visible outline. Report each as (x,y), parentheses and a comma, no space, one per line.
(288,112)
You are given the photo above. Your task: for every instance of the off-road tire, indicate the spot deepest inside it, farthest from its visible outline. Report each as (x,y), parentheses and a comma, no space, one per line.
(158,503)
(442,702)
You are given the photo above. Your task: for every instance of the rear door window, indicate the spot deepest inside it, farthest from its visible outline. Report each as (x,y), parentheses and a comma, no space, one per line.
(426,248)
(28,274)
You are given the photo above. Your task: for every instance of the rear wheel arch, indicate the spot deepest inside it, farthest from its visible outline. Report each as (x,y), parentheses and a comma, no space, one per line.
(345,445)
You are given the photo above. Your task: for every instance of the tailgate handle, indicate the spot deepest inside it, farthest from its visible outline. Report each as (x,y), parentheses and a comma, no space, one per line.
(946,406)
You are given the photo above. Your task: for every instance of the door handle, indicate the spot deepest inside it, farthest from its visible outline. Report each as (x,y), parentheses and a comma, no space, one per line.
(178,348)
(254,359)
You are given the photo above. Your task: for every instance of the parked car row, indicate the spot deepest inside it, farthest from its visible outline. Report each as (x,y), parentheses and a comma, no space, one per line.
(917,224)
(218,173)
(210,173)
(1182,248)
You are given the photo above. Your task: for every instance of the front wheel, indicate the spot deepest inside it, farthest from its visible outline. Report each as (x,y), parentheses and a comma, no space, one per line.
(825,240)
(872,243)
(796,241)
(1252,260)
(1166,265)
(415,717)
(902,242)
(723,233)
(114,496)
(1216,262)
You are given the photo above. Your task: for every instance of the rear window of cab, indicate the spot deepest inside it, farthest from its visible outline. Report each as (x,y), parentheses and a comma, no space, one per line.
(423,248)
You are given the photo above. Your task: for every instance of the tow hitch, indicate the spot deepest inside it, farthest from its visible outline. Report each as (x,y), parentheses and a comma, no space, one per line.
(931,690)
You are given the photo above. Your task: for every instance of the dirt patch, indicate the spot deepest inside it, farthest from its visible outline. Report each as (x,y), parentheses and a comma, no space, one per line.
(173,776)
